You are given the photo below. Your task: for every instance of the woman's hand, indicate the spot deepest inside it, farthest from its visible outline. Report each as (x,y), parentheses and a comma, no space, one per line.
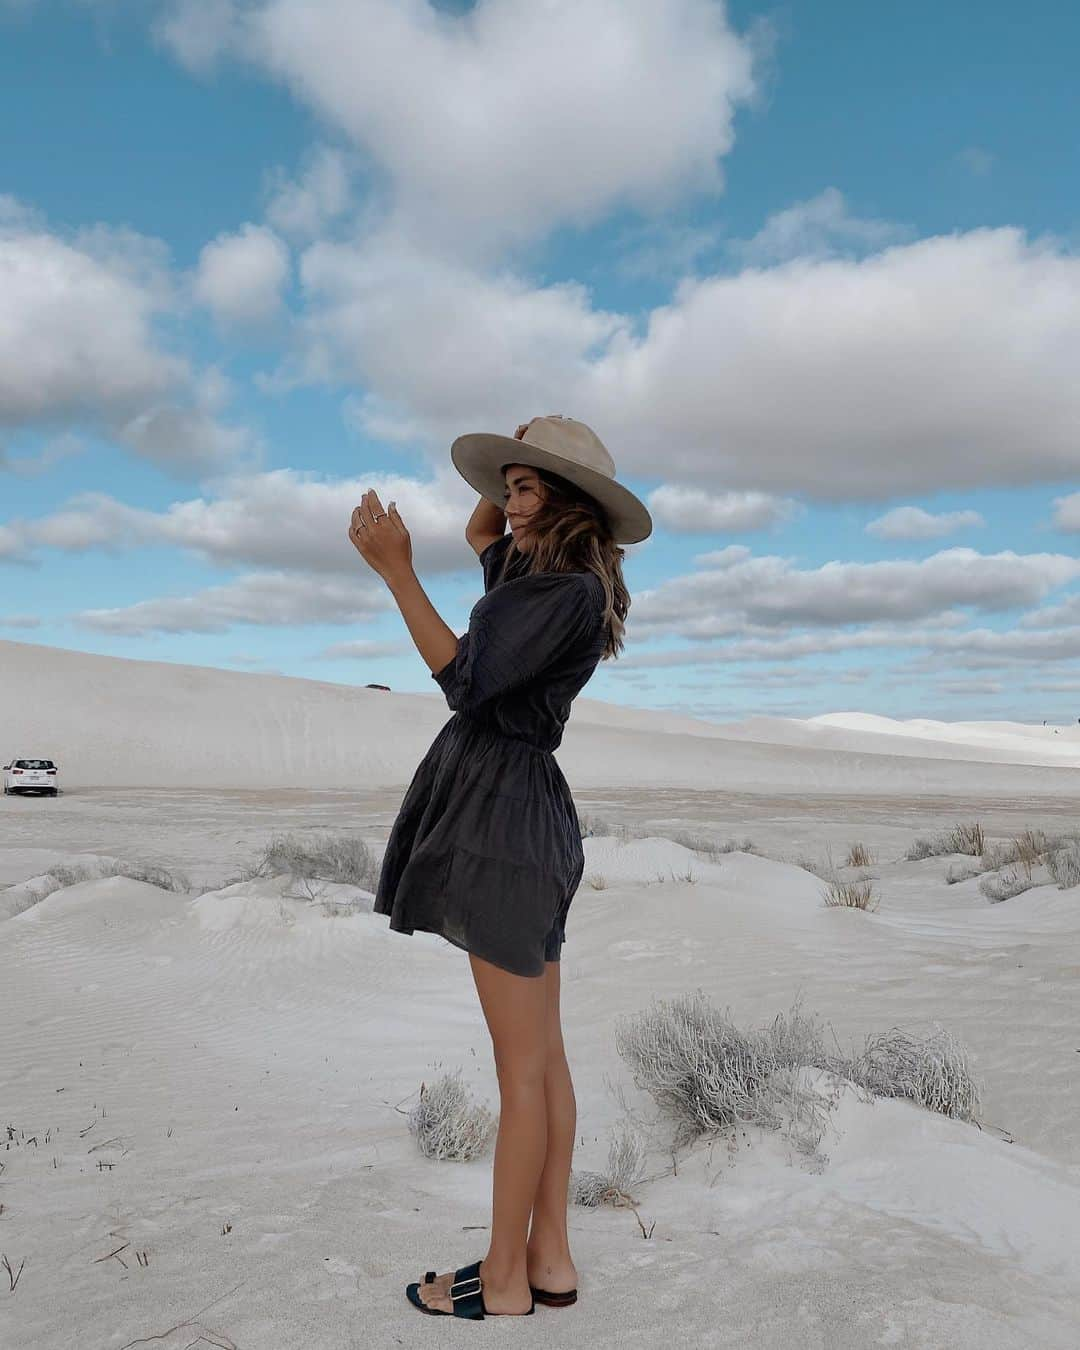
(381,538)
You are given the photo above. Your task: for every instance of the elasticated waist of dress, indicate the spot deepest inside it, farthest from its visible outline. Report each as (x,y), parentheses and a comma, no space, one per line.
(480,726)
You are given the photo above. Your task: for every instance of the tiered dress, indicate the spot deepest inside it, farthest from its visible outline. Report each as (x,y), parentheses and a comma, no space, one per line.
(486,848)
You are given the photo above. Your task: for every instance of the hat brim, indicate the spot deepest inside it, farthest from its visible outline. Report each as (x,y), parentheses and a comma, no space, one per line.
(479,456)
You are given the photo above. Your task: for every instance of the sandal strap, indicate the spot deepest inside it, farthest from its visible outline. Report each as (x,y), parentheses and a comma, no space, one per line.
(466,1292)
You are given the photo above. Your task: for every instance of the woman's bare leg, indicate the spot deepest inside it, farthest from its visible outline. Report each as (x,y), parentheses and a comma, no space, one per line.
(515,1008)
(549,1262)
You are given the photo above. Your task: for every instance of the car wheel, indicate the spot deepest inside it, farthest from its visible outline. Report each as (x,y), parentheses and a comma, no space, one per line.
(53,792)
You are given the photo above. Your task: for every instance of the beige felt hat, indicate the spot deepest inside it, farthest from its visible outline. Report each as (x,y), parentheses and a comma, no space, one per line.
(564,446)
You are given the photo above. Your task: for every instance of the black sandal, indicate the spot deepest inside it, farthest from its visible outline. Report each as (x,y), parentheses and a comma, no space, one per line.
(468,1300)
(559,1300)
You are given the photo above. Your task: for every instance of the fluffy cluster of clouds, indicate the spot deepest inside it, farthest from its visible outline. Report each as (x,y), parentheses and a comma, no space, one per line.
(832,357)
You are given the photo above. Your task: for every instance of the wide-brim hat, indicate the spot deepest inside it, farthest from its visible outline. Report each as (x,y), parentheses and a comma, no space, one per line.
(564,446)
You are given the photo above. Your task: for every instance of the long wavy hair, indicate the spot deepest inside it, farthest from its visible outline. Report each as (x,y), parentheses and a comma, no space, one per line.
(570,533)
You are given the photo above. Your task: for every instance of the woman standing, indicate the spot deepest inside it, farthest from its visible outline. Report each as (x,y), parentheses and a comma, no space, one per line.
(486,849)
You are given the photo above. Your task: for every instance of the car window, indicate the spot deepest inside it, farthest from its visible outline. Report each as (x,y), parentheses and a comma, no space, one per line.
(34,764)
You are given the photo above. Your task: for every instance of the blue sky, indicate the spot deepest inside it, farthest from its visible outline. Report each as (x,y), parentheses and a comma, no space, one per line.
(810,270)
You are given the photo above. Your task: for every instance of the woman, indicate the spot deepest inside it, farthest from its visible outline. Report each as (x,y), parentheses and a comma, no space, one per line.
(486,849)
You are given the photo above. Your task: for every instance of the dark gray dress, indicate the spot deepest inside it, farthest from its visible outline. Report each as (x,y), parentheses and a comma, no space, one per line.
(486,848)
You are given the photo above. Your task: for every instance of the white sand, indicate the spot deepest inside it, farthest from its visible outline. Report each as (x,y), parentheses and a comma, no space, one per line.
(241,1058)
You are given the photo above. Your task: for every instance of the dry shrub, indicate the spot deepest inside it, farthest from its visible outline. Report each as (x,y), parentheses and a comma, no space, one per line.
(446,1124)
(319,857)
(960,872)
(1003,885)
(859,856)
(166,880)
(1030,846)
(706,1075)
(1064,866)
(931,1070)
(850,894)
(626,1165)
(960,839)
(965,839)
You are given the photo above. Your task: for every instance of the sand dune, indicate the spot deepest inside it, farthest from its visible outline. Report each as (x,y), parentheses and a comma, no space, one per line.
(205,1094)
(234,1059)
(119,723)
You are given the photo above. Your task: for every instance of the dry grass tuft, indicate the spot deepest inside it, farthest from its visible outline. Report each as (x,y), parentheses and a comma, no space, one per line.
(1003,885)
(706,1075)
(164,878)
(626,1166)
(960,839)
(859,856)
(446,1124)
(850,894)
(1063,865)
(319,857)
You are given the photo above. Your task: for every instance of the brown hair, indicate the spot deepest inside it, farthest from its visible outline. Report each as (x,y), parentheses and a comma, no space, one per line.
(570,532)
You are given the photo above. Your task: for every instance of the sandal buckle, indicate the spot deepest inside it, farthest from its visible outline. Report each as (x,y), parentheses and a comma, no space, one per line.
(475,1279)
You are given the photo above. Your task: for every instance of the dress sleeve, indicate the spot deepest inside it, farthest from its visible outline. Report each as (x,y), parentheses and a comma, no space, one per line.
(491,559)
(517,631)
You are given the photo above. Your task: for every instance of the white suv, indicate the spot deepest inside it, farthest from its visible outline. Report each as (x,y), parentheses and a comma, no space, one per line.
(31,775)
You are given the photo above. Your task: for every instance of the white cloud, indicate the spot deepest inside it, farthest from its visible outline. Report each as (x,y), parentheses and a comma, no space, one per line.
(302,208)
(269,598)
(689,510)
(821,227)
(13,547)
(51,453)
(201,31)
(912,522)
(441,349)
(240,276)
(768,592)
(839,379)
(1067,512)
(945,363)
(499,124)
(77,345)
(281,519)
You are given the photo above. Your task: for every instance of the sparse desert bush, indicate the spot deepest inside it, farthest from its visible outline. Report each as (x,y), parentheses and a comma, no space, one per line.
(72,874)
(446,1124)
(859,856)
(319,857)
(626,1159)
(960,839)
(965,839)
(592,825)
(597,881)
(706,1075)
(932,1071)
(701,843)
(1063,864)
(960,872)
(1030,846)
(1003,885)
(851,894)
(998,855)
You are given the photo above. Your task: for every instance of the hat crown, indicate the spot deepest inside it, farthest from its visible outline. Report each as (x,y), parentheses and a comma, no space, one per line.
(570,440)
